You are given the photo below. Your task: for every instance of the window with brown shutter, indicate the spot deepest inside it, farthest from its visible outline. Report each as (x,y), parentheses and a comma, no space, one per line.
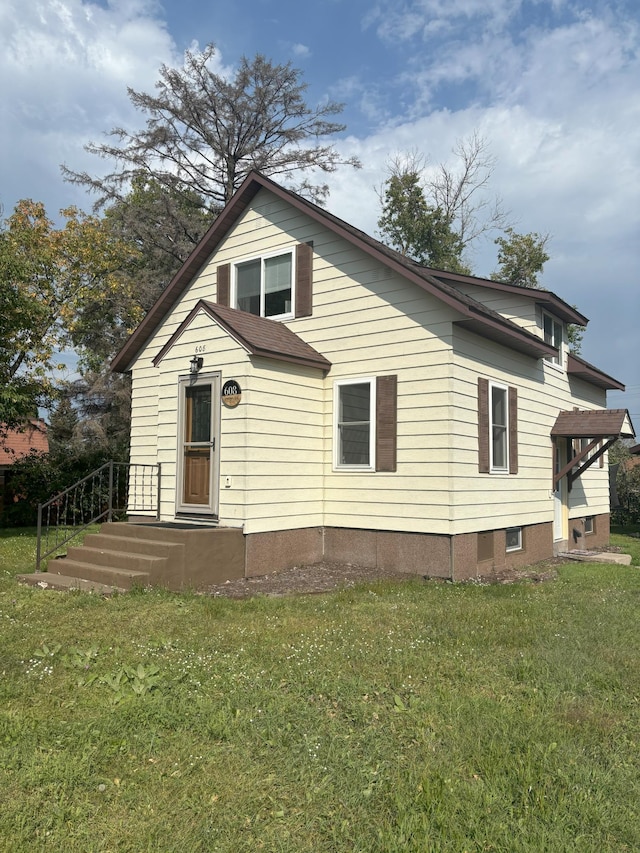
(265,285)
(365,424)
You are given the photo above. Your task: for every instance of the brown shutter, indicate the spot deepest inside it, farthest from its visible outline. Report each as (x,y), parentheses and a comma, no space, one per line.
(483,425)
(513,430)
(304,273)
(224,284)
(386,423)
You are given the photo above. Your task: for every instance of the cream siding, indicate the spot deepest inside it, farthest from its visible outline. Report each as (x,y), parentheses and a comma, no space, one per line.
(505,500)
(276,447)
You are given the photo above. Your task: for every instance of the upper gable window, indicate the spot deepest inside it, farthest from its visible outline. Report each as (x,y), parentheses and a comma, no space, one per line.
(264,286)
(553,334)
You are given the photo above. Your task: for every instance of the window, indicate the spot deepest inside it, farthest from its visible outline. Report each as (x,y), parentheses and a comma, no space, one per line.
(264,286)
(366,423)
(553,334)
(589,526)
(499,428)
(355,426)
(514,538)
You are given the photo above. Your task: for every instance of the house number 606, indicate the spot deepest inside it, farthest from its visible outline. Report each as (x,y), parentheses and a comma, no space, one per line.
(200,348)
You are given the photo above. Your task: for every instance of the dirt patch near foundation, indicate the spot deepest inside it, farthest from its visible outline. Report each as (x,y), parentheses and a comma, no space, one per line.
(329,577)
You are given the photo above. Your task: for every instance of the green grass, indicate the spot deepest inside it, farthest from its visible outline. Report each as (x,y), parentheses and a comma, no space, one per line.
(394,717)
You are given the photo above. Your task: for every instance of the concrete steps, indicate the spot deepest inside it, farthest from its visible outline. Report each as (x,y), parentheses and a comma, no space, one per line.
(44,580)
(122,555)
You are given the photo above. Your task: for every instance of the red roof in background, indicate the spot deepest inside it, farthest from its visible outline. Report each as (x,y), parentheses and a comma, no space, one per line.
(17,444)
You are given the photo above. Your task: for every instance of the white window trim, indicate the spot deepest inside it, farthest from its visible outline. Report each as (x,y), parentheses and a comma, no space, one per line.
(289,315)
(337,385)
(558,362)
(591,519)
(493,468)
(517,547)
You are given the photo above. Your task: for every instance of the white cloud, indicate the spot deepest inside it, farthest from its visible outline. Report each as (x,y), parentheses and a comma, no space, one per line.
(300,51)
(65,66)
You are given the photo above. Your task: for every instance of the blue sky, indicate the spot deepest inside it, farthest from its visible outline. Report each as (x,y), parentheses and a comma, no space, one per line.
(553,87)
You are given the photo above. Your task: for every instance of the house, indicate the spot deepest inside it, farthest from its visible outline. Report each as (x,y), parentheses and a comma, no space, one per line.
(15,444)
(330,399)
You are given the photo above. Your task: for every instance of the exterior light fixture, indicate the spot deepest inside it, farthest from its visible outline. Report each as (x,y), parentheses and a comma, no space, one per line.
(195,364)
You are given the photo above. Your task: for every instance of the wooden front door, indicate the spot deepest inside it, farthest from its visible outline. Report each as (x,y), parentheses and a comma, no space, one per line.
(198,489)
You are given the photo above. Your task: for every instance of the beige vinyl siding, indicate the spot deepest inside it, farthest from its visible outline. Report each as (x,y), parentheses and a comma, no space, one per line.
(521,310)
(277,446)
(284,450)
(504,500)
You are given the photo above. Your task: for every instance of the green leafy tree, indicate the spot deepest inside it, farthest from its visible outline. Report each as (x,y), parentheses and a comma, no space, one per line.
(409,225)
(59,288)
(436,215)
(521,258)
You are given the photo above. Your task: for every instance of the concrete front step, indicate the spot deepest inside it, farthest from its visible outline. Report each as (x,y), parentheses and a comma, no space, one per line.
(121,578)
(598,557)
(45,580)
(115,559)
(132,544)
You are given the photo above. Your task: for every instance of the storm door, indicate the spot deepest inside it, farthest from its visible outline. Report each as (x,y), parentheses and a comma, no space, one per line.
(198,448)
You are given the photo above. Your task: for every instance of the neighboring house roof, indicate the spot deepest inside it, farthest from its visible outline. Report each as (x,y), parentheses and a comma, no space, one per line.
(258,335)
(635,450)
(17,444)
(599,423)
(476,317)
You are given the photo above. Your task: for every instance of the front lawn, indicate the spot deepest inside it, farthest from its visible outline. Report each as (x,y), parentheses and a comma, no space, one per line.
(420,716)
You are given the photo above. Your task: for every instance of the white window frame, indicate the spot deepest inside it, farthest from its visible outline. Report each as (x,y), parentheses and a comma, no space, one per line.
(499,469)
(287,315)
(512,548)
(337,386)
(556,338)
(592,525)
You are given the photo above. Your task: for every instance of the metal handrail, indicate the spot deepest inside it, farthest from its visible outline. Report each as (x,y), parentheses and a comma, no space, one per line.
(96,497)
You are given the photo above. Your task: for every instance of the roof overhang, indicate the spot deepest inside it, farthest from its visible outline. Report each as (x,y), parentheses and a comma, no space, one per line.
(259,336)
(583,370)
(596,423)
(602,426)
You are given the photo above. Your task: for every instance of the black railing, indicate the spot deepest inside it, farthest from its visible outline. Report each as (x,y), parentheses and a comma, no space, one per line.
(111,493)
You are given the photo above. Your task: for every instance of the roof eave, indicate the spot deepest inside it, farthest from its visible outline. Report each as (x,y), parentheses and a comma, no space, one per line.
(577,366)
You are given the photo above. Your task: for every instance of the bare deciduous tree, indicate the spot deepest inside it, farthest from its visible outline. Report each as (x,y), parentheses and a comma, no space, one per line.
(204,133)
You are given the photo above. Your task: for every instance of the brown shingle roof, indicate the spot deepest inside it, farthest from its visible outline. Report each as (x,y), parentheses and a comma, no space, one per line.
(17,444)
(599,423)
(258,335)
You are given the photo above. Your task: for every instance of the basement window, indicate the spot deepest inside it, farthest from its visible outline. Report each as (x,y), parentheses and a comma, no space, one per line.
(589,526)
(514,539)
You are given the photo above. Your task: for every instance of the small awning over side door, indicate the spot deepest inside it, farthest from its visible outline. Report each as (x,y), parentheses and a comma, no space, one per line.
(602,426)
